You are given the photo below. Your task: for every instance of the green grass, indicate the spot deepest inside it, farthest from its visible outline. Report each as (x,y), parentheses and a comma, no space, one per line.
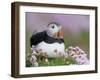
(53,62)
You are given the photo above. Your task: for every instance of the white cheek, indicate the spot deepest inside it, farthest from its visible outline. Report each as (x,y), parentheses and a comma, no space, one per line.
(55,30)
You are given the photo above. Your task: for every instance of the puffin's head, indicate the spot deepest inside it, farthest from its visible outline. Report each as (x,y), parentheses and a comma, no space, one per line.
(54,30)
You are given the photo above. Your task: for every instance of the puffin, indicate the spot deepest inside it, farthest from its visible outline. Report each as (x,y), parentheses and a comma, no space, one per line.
(50,40)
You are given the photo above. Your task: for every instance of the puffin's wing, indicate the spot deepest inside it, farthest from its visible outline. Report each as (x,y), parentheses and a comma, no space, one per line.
(37,38)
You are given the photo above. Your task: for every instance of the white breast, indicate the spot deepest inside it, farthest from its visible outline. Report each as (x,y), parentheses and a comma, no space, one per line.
(52,50)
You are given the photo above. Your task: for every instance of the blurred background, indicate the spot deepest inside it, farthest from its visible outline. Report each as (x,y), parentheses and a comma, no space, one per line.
(75,27)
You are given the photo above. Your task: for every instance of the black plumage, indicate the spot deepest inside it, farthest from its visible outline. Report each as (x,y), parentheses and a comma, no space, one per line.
(42,36)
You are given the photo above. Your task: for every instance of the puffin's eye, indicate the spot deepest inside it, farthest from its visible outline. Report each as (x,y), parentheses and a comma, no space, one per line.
(53,27)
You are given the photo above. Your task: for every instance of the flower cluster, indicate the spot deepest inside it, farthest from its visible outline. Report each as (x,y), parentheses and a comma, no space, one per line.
(33,60)
(37,55)
(78,55)
(75,53)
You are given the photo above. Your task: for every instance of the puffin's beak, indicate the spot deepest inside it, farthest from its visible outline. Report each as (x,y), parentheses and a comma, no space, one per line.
(60,33)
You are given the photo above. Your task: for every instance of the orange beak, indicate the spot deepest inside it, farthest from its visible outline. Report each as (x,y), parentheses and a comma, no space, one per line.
(60,33)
